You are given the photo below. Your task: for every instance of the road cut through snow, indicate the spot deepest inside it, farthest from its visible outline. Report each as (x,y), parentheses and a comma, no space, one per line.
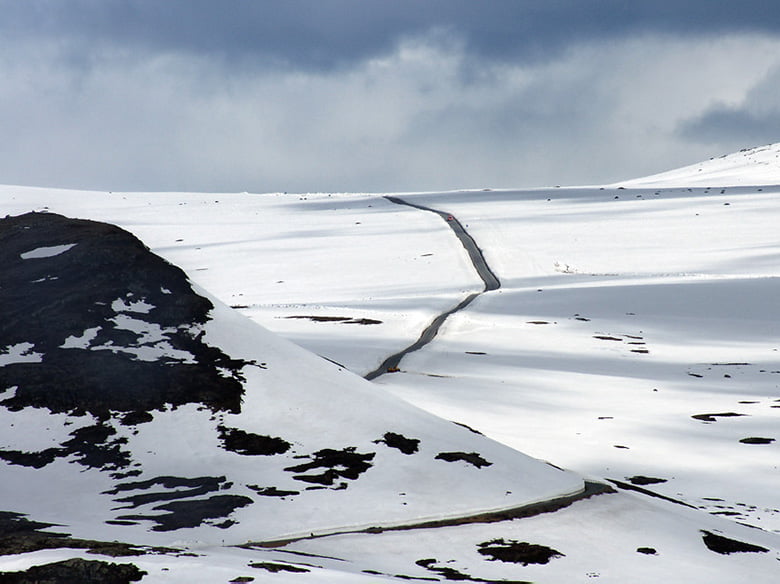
(477,259)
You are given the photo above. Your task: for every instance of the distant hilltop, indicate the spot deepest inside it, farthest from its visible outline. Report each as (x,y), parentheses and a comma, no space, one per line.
(748,167)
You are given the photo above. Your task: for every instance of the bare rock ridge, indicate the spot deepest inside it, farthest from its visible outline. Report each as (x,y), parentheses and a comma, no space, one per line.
(96,326)
(100,324)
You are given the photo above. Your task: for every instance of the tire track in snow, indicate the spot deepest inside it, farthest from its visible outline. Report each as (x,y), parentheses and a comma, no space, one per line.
(490,280)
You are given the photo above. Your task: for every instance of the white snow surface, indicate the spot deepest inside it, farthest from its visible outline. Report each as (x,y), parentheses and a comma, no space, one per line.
(624,311)
(749,166)
(46,252)
(313,404)
(19,353)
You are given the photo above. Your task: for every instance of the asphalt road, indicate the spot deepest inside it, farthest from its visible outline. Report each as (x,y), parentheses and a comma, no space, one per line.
(490,280)
(590,489)
(475,254)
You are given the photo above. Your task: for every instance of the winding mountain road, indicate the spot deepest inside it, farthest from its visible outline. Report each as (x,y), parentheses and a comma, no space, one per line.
(475,254)
(589,489)
(489,279)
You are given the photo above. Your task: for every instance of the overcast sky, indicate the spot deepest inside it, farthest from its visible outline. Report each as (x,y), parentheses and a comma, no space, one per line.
(378,95)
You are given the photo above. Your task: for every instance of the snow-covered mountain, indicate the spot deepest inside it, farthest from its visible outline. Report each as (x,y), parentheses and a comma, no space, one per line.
(748,167)
(151,431)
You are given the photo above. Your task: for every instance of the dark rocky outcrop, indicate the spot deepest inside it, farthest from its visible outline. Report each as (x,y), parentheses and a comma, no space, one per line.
(472,458)
(106,324)
(75,570)
(250,444)
(275,568)
(92,446)
(643,480)
(725,545)
(193,512)
(399,441)
(338,464)
(20,535)
(517,552)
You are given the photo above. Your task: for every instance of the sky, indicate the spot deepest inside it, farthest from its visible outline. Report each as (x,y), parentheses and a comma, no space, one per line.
(378,95)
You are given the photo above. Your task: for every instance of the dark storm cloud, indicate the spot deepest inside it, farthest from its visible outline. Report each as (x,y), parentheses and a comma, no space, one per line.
(731,125)
(319,34)
(754,120)
(377,95)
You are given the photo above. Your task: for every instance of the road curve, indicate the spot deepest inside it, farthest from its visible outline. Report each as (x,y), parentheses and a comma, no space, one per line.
(489,279)
(475,254)
(590,489)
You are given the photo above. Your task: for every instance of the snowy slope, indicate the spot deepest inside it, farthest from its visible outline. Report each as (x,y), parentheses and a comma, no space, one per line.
(633,339)
(283,258)
(164,397)
(622,322)
(750,166)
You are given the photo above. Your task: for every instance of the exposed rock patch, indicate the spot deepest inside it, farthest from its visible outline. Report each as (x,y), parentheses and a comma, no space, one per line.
(472,458)
(643,480)
(712,417)
(399,441)
(469,428)
(183,510)
(92,447)
(21,535)
(724,545)
(338,464)
(112,326)
(338,319)
(249,444)
(449,573)
(275,568)
(136,417)
(192,488)
(757,440)
(648,551)
(76,570)
(193,512)
(517,552)
(272,491)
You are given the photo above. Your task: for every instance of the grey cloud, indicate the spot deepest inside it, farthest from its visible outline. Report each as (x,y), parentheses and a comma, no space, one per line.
(319,35)
(733,127)
(756,120)
(430,114)
(412,122)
